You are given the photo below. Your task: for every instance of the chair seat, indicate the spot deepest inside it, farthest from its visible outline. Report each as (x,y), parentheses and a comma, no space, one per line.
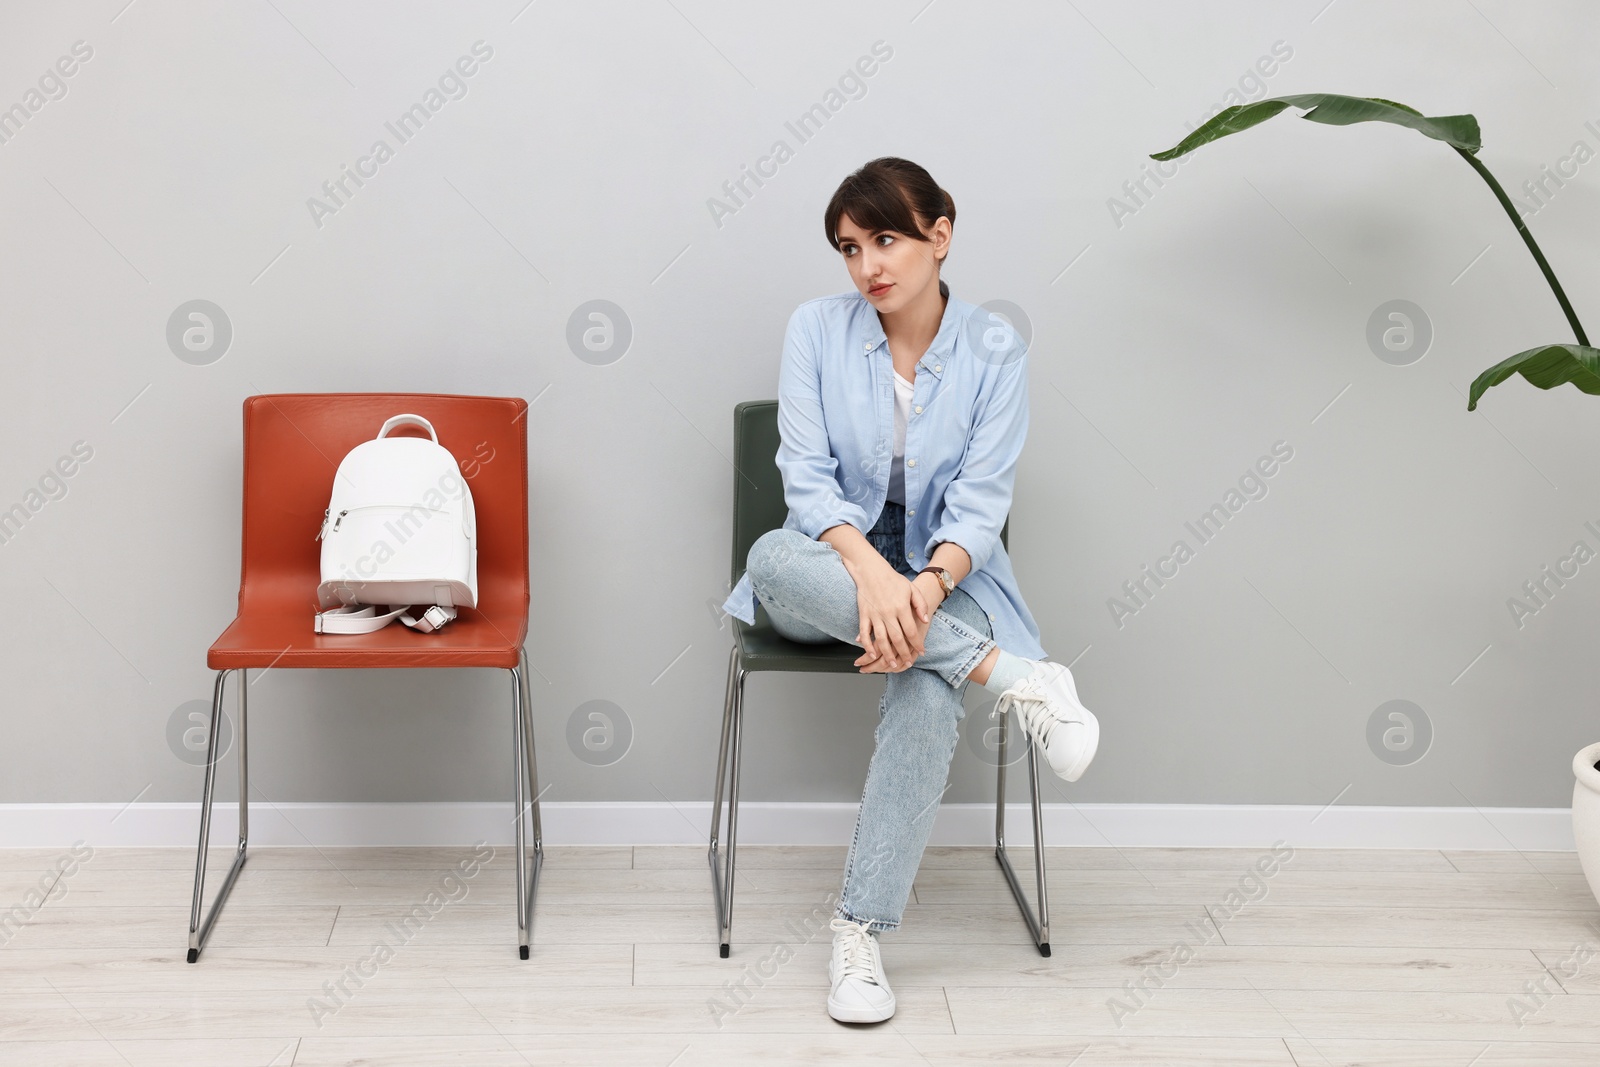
(282,637)
(761,648)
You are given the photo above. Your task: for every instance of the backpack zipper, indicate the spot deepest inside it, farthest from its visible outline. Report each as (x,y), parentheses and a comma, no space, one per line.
(324,529)
(337,518)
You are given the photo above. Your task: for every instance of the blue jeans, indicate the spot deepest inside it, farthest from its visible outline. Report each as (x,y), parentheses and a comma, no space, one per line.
(810,597)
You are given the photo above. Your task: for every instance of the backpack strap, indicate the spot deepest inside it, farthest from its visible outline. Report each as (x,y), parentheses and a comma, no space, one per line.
(351,619)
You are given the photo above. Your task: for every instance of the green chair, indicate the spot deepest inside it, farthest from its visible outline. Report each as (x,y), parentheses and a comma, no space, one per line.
(758,506)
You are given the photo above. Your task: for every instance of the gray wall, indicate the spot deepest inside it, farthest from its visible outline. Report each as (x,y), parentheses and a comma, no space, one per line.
(1221,313)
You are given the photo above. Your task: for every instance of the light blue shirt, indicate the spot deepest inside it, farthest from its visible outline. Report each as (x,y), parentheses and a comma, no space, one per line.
(965,430)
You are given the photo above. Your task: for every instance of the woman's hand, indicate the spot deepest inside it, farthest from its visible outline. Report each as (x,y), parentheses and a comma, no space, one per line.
(895,614)
(924,599)
(926,596)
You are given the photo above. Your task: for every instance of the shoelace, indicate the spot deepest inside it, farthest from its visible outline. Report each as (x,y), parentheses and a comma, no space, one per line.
(1024,698)
(860,950)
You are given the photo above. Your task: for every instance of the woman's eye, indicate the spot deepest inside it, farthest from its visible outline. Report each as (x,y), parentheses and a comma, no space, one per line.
(885,240)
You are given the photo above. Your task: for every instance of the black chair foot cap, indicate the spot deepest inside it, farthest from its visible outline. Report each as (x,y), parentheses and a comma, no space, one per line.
(1044,949)
(723,952)
(194,954)
(522,950)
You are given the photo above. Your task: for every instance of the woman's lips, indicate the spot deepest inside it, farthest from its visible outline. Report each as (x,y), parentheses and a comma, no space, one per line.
(879,290)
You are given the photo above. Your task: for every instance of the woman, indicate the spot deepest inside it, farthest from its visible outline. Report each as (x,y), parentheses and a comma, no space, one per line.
(901,412)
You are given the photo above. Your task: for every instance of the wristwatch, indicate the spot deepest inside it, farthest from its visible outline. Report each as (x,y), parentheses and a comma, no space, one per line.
(947,583)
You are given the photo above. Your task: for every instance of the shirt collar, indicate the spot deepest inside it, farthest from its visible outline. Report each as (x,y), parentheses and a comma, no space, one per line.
(939,350)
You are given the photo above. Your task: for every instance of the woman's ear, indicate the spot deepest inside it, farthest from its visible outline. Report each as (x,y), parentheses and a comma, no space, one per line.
(941,235)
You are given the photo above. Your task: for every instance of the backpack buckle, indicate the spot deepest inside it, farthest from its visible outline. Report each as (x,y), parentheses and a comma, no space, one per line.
(434,619)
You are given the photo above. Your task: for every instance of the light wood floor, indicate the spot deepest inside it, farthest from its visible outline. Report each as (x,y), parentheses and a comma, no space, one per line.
(1414,958)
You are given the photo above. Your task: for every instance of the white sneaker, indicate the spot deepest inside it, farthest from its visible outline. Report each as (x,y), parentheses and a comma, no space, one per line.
(1046,703)
(860,992)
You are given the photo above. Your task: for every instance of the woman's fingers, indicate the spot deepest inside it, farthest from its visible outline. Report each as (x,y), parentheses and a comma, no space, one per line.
(897,650)
(886,664)
(883,641)
(870,652)
(864,639)
(919,605)
(906,629)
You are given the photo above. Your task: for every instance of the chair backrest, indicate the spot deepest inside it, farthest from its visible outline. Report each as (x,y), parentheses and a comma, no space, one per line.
(293,443)
(758,504)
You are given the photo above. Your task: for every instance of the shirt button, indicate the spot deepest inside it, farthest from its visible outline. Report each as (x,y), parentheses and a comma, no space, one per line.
(908,555)
(991,618)
(938,366)
(912,511)
(911,463)
(919,409)
(867,347)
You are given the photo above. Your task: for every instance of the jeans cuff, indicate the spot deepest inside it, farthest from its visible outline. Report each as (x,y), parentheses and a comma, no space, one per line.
(876,925)
(978,656)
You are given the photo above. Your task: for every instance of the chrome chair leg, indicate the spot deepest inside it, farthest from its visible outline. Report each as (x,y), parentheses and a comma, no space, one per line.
(533,771)
(199,932)
(1038,926)
(242,739)
(525,779)
(722,772)
(732,722)
(722,750)
(518,773)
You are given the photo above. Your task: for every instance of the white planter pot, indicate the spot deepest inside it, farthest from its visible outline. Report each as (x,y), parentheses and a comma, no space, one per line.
(1586,814)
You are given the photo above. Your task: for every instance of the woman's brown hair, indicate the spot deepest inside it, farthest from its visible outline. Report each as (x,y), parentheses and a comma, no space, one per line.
(889,193)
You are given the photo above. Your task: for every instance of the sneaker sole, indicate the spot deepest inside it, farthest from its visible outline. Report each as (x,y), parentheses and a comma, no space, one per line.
(839,1013)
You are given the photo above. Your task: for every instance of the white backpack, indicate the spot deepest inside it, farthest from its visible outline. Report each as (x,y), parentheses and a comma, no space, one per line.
(399,532)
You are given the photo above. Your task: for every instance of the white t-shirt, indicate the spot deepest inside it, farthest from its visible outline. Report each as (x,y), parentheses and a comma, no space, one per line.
(902,414)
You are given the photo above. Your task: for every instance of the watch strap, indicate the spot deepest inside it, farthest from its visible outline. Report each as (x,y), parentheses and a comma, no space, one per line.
(946,582)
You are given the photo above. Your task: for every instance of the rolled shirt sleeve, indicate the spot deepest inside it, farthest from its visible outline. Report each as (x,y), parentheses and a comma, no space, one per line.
(978,499)
(810,471)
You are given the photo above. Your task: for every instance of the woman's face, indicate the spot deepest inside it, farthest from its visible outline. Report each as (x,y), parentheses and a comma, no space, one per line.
(890,269)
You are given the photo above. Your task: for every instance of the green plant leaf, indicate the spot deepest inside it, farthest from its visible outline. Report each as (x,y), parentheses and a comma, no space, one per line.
(1546,367)
(1459,131)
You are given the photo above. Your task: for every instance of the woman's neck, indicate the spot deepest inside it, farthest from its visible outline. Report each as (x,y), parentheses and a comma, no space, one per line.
(912,329)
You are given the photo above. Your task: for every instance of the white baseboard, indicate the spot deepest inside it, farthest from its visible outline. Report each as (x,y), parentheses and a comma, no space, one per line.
(655,823)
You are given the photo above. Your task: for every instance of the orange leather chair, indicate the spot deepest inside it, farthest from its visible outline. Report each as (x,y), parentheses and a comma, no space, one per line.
(293,443)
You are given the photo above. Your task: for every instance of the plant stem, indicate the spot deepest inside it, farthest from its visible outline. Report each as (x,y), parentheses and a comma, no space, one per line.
(1538,256)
